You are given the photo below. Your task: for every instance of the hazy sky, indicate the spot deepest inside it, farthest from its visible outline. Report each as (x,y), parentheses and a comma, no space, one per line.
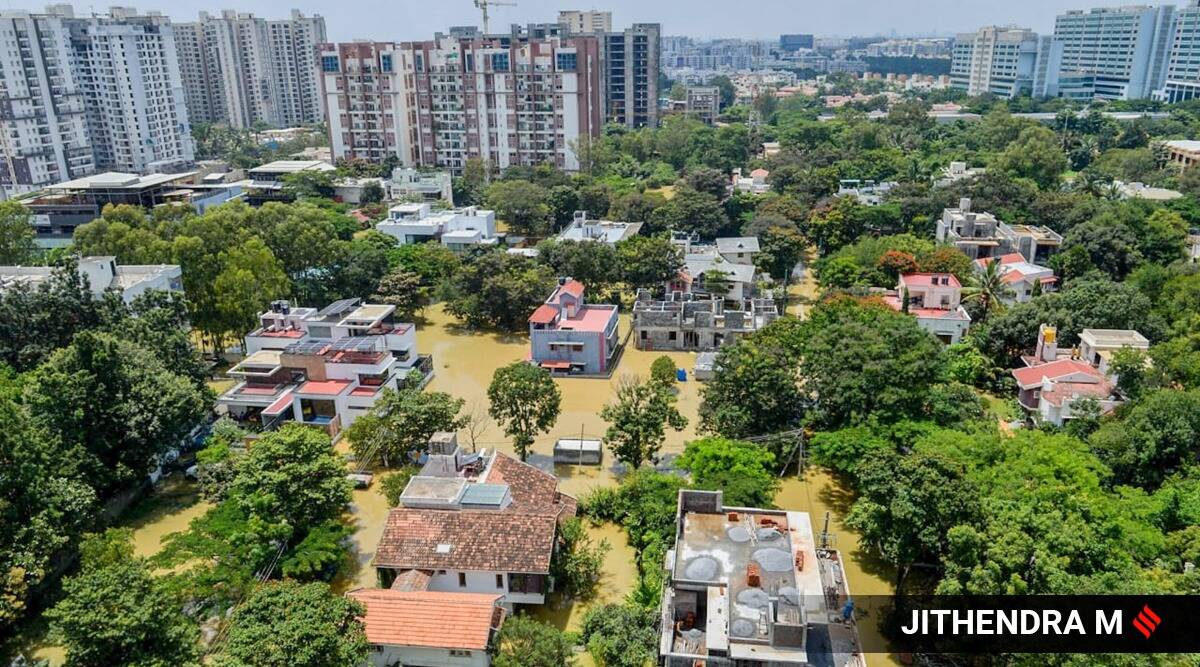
(413,19)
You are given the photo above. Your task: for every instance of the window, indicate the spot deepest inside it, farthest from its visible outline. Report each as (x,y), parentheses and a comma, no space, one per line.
(499,581)
(385,62)
(671,335)
(500,62)
(329,63)
(567,62)
(462,579)
(459,653)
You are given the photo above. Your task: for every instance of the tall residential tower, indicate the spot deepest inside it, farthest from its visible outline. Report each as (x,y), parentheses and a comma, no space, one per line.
(241,70)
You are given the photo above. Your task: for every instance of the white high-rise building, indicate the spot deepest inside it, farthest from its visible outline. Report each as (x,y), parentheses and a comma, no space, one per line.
(585,21)
(1113,53)
(1182,79)
(127,68)
(995,59)
(43,126)
(240,69)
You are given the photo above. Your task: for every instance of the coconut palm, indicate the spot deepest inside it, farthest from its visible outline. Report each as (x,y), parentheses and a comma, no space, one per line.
(988,289)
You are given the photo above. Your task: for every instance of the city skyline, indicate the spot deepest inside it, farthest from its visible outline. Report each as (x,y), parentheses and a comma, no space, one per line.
(379,20)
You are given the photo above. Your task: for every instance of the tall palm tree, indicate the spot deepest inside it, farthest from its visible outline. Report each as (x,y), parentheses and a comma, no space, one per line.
(988,289)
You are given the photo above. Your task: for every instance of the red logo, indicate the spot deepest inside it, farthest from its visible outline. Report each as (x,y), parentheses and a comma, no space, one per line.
(1146,622)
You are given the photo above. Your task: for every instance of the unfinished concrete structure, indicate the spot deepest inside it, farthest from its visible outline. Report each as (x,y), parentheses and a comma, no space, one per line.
(681,323)
(752,587)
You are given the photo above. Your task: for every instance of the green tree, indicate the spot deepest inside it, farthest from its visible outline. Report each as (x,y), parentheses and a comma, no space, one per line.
(286,624)
(291,476)
(403,290)
(250,278)
(398,427)
(522,205)
(593,264)
(114,612)
(620,635)
(392,484)
(1111,245)
(692,212)
(907,504)
(988,290)
(1160,433)
(864,359)
(112,407)
(743,470)
(44,510)
(638,417)
(525,642)
(649,262)
(372,193)
(525,401)
(17,238)
(753,391)
(662,372)
(499,290)
(1035,154)
(578,563)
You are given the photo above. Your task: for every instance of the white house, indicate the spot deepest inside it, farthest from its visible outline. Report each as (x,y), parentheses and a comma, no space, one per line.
(428,185)
(1021,276)
(1096,346)
(755,183)
(1051,383)
(457,229)
(583,228)
(103,274)
(324,368)
(935,300)
(429,628)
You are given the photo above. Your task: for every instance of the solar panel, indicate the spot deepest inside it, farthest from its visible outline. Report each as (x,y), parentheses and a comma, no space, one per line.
(309,347)
(354,344)
(338,307)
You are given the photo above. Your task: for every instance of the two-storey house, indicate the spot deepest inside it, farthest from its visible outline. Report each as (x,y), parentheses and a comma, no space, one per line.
(935,299)
(567,335)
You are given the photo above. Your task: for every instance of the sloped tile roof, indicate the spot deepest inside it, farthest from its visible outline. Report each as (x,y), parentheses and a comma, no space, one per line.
(519,538)
(429,619)
(485,540)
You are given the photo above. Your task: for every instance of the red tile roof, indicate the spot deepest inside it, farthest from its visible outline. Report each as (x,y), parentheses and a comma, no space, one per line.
(544,314)
(1031,376)
(429,619)
(1071,390)
(487,540)
(572,287)
(519,538)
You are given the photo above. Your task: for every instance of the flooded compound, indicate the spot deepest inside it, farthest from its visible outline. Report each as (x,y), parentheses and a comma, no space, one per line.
(464,362)
(817,491)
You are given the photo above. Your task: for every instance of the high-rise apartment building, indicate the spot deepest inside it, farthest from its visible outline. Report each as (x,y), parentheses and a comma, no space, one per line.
(522,98)
(126,66)
(363,87)
(997,60)
(582,22)
(43,122)
(1111,53)
(631,66)
(240,69)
